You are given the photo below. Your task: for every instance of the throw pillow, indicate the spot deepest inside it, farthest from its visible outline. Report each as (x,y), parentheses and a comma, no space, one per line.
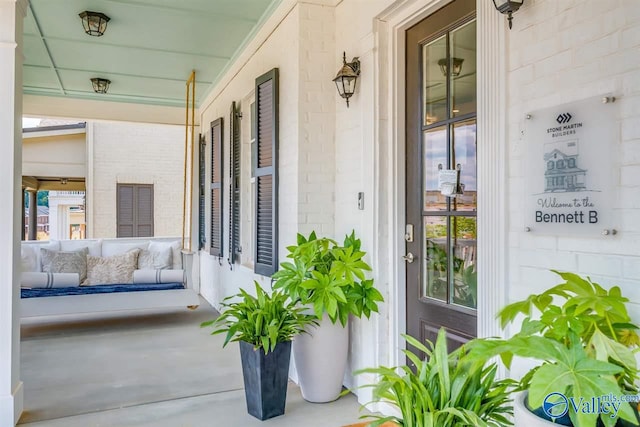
(176,249)
(29,258)
(115,269)
(155,260)
(65,262)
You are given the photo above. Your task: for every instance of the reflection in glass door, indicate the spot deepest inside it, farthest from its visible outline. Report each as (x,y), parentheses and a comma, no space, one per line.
(449,143)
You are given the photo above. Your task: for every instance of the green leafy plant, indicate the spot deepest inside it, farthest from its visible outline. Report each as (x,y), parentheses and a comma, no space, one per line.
(329,277)
(263,320)
(583,335)
(443,390)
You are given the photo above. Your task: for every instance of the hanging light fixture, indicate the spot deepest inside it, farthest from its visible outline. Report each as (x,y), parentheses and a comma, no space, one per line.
(456,66)
(94,23)
(508,7)
(100,85)
(347,76)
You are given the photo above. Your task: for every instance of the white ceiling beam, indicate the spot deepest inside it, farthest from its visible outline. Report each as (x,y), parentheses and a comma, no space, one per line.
(85,109)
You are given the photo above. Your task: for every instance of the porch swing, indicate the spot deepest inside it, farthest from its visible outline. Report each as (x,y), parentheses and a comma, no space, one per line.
(53,301)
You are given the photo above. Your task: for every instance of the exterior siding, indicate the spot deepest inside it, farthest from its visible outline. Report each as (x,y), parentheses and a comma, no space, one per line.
(135,153)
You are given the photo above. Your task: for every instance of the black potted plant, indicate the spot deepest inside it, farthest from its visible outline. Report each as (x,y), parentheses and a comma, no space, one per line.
(583,336)
(264,326)
(329,279)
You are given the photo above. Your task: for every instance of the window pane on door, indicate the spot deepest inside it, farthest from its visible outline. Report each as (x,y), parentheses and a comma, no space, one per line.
(435,158)
(462,65)
(436,262)
(464,158)
(464,289)
(434,80)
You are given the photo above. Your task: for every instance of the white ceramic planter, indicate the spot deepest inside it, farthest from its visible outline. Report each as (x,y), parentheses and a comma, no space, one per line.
(321,358)
(524,417)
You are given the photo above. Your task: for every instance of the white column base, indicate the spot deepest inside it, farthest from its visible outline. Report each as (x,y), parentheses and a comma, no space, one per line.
(11,406)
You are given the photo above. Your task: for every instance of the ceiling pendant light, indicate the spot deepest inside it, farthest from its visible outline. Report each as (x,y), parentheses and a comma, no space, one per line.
(94,23)
(100,85)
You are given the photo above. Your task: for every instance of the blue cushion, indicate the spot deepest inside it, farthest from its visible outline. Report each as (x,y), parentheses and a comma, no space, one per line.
(98,289)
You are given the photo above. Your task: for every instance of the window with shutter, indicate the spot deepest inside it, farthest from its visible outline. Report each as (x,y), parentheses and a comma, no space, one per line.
(134,210)
(234,185)
(266,174)
(202,240)
(215,241)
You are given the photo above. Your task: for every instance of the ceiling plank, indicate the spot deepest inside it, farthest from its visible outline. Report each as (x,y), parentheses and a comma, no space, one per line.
(46,48)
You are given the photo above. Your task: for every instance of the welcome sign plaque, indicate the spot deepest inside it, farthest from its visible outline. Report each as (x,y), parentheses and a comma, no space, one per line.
(570,176)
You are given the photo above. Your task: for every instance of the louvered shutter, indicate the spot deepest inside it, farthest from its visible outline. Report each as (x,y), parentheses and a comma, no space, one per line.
(266,174)
(215,241)
(201,195)
(234,185)
(144,210)
(125,211)
(134,210)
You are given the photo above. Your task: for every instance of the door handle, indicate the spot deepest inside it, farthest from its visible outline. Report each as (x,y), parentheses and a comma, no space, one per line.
(408,257)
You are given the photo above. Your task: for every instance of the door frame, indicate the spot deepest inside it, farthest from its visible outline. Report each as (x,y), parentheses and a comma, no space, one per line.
(389,32)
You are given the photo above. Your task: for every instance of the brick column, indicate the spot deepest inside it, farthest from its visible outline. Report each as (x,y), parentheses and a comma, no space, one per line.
(12,13)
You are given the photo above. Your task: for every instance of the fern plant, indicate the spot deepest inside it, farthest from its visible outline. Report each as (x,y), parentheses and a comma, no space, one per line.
(263,321)
(443,390)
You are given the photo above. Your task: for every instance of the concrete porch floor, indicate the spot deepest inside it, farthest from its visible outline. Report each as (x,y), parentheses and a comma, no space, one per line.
(155,369)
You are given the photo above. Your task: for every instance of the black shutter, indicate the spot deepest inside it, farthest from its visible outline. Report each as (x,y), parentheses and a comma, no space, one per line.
(266,174)
(202,240)
(234,185)
(215,242)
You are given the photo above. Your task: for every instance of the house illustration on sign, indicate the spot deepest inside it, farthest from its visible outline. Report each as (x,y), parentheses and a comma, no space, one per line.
(561,171)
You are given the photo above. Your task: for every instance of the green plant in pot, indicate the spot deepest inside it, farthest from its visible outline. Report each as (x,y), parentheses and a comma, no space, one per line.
(443,390)
(329,279)
(583,335)
(264,326)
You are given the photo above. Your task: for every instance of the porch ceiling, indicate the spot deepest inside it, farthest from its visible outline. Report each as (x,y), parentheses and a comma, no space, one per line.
(147,51)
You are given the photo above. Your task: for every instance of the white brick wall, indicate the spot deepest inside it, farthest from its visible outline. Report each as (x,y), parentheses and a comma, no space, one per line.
(306,151)
(135,153)
(561,52)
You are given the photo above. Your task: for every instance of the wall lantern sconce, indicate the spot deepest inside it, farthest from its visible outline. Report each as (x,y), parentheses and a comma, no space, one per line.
(456,66)
(347,76)
(94,23)
(100,85)
(508,7)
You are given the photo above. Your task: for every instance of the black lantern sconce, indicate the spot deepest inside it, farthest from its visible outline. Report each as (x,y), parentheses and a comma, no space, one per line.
(100,85)
(94,23)
(456,66)
(508,7)
(347,76)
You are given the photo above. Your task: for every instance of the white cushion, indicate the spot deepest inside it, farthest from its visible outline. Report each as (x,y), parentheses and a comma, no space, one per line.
(111,248)
(155,260)
(158,276)
(94,246)
(30,255)
(29,258)
(176,251)
(49,280)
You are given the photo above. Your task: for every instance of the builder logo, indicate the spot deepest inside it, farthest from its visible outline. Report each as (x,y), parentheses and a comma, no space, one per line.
(564,118)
